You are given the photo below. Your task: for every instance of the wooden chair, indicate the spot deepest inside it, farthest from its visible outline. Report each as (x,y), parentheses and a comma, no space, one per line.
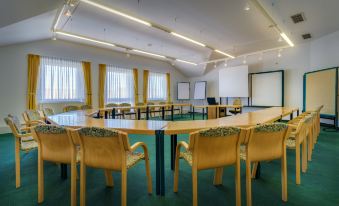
(264,143)
(127,111)
(209,149)
(84,107)
(55,144)
(299,137)
(23,141)
(118,114)
(33,117)
(235,111)
(151,109)
(70,108)
(109,150)
(48,112)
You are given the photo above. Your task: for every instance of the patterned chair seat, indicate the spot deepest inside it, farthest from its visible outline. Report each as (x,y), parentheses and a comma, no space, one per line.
(243,152)
(290,143)
(133,158)
(28,143)
(187,156)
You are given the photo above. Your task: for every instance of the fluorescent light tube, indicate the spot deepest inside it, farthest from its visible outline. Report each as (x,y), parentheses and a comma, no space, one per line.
(85,38)
(187,62)
(188,39)
(148,53)
(220,52)
(283,35)
(116,12)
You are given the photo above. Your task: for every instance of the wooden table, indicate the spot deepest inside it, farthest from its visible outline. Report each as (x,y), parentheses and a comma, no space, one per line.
(77,119)
(213,110)
(147,109)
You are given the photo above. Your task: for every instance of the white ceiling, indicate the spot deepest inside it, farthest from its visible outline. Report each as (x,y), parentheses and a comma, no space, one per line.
(222,24)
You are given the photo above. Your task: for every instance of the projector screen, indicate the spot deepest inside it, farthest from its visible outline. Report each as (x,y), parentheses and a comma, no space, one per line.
(267,88)
(183,91)
(320,89)
(233,81)
(200,90)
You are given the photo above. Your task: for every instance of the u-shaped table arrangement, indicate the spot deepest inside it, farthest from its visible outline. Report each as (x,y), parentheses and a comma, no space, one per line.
(160,128)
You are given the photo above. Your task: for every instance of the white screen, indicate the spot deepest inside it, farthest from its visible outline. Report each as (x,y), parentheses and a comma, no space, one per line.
(233,81)
(200,90)
(183,90)
(267,89)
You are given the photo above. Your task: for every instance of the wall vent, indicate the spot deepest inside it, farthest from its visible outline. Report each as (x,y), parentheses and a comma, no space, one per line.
(297,18)
(306,36)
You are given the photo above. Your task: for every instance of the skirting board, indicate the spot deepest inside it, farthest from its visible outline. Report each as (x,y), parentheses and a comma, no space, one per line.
(5,130)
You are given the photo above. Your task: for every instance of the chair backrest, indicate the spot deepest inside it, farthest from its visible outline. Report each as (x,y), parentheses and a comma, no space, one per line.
(84,107)
(267,141)
(215,147)
(70,108)
(237,101)
(125,105)
(102,148)
(48,111)
(211,101)
(14,124)
(32,115)
(111,105)
(140,104)
(55,143)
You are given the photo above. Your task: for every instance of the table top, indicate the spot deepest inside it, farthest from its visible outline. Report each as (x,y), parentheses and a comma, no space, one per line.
(145,106)
(83,118)
(219,106)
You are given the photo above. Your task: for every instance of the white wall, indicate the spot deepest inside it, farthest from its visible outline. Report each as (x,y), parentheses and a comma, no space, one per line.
(13,67)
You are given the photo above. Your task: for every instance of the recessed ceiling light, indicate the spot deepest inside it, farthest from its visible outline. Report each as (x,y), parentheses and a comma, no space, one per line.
(85,38)
(148,53)
(283,35)
(187,62)
(220,52)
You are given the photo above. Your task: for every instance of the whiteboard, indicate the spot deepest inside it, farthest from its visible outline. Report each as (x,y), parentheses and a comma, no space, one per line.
(267,88)
(200,90)
(183,90)
(233,81)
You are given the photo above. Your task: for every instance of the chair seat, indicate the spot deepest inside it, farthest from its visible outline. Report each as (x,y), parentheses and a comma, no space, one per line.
(290,143)
(133,158)
(28,143)
(187,156)
(243,152)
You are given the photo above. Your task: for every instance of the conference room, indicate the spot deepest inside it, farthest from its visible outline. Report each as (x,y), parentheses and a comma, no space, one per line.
(224,102)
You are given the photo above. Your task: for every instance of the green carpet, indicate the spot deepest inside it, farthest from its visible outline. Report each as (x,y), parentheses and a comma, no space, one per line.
(319,186)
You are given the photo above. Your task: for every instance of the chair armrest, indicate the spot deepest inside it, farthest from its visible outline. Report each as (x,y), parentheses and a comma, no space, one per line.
(293,126)
(25,135)
(137,145)
(36,122)
(182,144)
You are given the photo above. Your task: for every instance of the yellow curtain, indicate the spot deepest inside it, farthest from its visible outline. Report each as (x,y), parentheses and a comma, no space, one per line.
(145,89)
(168,77)
(32,81)
(86,66)
(102,79)
(136,86)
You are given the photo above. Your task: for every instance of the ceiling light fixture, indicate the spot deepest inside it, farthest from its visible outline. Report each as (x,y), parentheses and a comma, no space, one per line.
(220,52)
(85,38)
(188,39)
(57,20)
(148,53)
(68,13)
(116,12)
(187,62)
(244,61)
(247,7)
(225,64)
(283,35)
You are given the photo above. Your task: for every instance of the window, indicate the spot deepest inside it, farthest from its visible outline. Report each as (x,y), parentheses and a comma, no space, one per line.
(60,81)
(157,86)
(119,86)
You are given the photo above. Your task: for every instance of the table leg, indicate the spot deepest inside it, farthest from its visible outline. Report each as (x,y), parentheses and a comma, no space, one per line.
(181,110)
(174,141)
(147,113)
(160,162)
(203,113)
(113,113)
(298,112)
(106,115)
(193,113)
(257,174)
(172,112)
(291,116)
(163,112)
(98,114)
(63,171)
(139,114)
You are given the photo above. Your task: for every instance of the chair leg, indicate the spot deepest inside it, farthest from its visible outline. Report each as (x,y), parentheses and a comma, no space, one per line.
(297,163)
(284,177)
(195,186)
(17,163)
(82,184)
(124,187)
(304,155)
(309,150)
(254,169)
(40,178)
(109,178)
(176,173)
(237,183)
(248,183)
(148,174)
(73,184)
(218,172)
